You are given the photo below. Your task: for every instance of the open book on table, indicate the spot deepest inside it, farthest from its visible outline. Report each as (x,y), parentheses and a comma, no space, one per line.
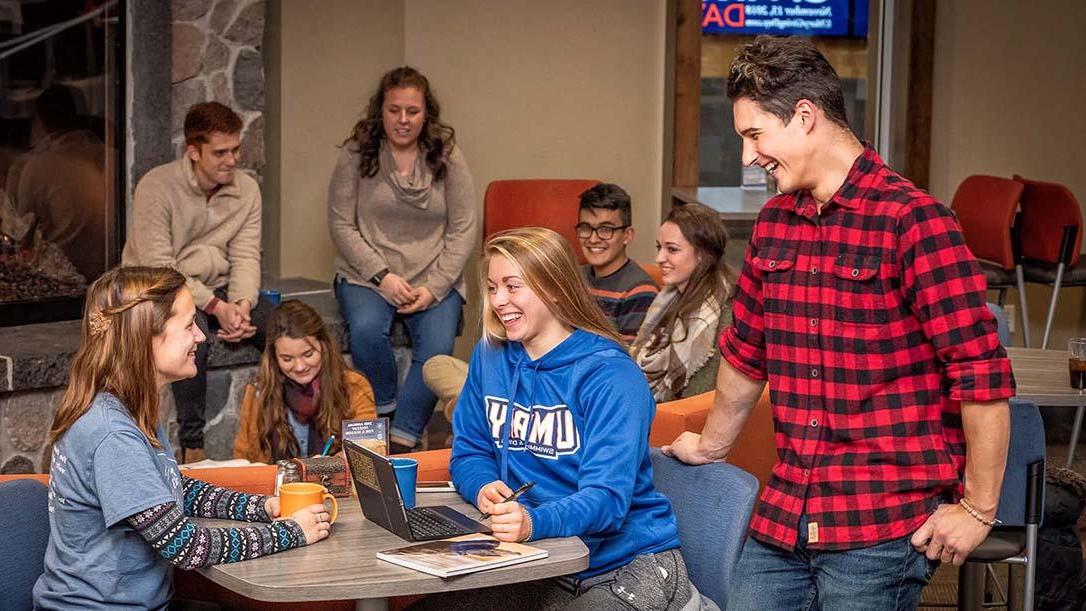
(461,555)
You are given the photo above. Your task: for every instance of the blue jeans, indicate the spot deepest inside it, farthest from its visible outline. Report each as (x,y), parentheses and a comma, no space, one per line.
(889,576)
(433,331)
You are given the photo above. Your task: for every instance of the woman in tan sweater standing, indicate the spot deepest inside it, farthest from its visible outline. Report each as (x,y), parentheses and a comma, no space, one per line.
(401,211)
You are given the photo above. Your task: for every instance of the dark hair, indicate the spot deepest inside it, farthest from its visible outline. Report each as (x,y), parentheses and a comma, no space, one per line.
(702,227)
(208,117)
(297,320)
(777,72)
(436,138)
(608,196)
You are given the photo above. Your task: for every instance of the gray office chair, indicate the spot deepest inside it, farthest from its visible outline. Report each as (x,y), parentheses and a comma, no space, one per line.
(1021,509)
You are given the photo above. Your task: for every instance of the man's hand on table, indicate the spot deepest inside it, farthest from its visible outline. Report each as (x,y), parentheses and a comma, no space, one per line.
(949,535)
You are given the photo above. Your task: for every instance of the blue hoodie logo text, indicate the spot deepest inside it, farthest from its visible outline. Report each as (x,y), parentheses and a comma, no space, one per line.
(545,431)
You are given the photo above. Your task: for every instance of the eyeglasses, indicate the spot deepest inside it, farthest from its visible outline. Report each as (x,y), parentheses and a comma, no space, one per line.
(605,232)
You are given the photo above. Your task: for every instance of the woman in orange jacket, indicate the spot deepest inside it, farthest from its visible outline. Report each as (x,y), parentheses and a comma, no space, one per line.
(302,393)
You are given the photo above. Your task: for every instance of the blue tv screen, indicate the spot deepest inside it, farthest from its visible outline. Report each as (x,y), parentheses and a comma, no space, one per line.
(785,17)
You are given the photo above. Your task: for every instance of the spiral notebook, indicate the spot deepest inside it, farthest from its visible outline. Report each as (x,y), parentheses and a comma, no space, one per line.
(461,555)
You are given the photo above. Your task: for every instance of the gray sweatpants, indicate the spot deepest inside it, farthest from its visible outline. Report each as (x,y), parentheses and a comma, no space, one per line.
(651,582)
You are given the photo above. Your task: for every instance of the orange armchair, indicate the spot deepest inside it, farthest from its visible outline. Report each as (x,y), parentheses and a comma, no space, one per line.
(756,450)
(653,270)
(551,203)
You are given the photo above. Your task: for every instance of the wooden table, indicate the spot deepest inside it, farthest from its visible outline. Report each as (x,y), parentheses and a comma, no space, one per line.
(1042,377)
(344,566)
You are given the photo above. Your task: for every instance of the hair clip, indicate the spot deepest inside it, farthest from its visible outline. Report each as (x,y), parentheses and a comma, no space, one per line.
(99,323)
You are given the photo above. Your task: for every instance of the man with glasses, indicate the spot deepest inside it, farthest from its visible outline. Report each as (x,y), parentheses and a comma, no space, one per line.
(201,216)
(623,290)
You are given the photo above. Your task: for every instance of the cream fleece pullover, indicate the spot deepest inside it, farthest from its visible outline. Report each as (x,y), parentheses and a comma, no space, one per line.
(214,243)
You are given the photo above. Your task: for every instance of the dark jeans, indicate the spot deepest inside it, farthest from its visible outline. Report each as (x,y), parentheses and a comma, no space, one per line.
(190,396)
(369,320)
(889,576)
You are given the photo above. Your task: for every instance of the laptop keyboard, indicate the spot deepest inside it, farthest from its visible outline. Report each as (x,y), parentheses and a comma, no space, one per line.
(426,524)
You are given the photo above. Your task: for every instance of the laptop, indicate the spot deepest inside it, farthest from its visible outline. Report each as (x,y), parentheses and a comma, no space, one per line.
(377,492)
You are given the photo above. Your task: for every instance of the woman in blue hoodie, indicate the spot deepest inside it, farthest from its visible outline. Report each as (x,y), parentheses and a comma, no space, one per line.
(553,398)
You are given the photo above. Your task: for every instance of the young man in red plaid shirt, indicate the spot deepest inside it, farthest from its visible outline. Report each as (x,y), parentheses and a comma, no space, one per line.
(861,306)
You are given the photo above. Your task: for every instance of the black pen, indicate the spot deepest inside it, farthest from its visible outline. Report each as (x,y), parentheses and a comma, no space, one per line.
(511,497)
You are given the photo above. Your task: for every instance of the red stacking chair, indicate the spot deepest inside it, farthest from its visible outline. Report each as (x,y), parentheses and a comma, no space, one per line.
(986,208)
(1051,237)
(550,203)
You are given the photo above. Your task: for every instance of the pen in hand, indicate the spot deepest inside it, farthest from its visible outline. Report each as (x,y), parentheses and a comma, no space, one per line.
(512,497)
(328,444)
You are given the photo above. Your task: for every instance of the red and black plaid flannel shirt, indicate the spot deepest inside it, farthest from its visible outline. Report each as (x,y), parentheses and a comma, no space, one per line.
(869,321)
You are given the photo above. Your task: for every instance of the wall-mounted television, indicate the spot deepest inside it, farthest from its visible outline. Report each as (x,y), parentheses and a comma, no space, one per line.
(785,17)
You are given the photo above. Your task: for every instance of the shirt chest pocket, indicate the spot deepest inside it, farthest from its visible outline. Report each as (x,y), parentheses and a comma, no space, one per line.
(860,297)
(776,265)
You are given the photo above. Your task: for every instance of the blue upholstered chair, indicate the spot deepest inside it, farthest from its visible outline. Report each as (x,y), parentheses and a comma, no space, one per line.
(1021,507)
(712,504)
(1021,502)
(24,533)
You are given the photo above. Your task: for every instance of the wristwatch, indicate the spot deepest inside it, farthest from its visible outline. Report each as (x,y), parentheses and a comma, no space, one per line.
(378,277)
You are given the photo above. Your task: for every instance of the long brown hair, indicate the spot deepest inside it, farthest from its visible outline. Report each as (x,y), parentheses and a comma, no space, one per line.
(436,139)
(712,277)
(297,320)
(126,307)
(546,263)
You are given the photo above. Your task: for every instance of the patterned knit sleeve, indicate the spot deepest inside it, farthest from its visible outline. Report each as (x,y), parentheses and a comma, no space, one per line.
(204,500)
(187,545)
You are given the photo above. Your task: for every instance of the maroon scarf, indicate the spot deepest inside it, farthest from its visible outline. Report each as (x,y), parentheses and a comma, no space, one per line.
(302,400)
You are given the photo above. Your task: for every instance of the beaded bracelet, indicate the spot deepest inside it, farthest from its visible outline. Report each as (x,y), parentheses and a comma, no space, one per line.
(977,516)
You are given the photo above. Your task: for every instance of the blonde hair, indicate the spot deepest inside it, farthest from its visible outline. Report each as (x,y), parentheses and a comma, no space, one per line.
(297,320)
(126,307)
(545,261)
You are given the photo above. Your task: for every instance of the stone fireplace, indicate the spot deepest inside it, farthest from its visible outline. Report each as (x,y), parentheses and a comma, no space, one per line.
(177,54)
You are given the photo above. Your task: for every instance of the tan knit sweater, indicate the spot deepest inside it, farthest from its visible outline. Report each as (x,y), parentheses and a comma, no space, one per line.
(372,230)
(214,243)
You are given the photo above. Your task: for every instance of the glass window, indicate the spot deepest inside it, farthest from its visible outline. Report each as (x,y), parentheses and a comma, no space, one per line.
(59,94)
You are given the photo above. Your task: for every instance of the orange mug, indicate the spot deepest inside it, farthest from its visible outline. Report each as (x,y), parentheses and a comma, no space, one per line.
(299,495)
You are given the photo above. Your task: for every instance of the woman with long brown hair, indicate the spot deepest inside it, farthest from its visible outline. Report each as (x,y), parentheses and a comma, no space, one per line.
(676,345)
(119,508)
(554,402)
(302,393)
(401,211)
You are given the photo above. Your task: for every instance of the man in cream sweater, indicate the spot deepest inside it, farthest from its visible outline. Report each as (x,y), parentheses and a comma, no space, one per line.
(201,216)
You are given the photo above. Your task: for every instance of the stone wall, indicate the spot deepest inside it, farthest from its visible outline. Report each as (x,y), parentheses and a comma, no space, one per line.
(217,56)
(26,417)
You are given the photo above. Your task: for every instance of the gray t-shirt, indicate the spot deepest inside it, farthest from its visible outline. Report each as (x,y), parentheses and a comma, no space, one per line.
(104,470)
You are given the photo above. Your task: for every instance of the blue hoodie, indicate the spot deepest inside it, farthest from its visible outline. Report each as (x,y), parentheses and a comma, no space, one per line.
(580,431)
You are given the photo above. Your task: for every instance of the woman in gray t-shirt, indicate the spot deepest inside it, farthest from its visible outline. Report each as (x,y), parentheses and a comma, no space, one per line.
(119,509)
